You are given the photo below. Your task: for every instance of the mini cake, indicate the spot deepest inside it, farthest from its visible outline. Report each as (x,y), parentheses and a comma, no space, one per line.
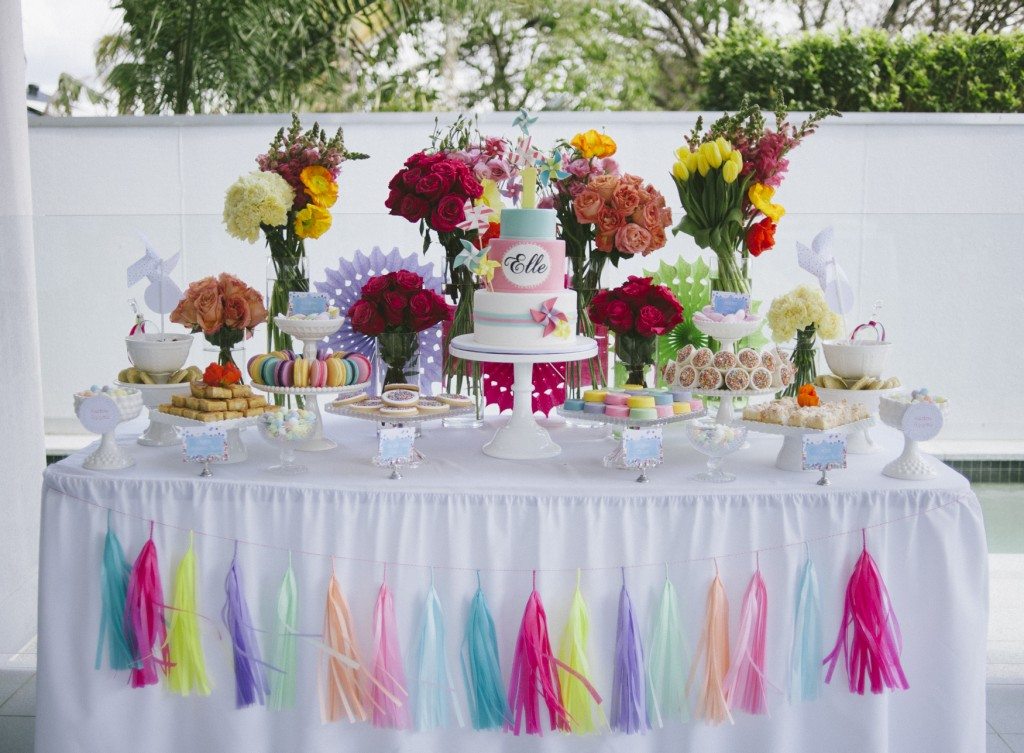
(749,358)
(687,376)
(709,378)
(760,378)
(737,379)
(702,357)
(725,360)
(684,354)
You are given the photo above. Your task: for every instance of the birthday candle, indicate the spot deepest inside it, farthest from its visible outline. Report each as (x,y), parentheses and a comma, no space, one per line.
(529,200)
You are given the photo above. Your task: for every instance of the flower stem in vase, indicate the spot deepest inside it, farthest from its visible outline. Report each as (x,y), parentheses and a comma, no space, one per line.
(636,354)
(289,273)
(804,358)
(586,281)
(398,353)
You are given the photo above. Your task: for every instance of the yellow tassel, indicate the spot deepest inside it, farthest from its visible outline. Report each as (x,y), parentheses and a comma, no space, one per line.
(188,667)
(572,651)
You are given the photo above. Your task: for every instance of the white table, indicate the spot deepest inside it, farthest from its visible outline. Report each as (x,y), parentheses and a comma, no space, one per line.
(465,510)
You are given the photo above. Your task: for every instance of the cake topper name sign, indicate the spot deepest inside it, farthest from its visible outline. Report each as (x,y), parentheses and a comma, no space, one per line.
(526,265)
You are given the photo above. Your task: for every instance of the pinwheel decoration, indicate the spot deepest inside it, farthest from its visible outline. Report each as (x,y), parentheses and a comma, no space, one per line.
(345,285)
(551,169)
(162,294)
(477,217)
(469,256)
(821,262)
(554,321)
(523,121)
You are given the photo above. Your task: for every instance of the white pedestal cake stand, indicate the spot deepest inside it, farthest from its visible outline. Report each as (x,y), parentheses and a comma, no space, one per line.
(726,414)
(237,453)
(522,438)
(790,457)
(158,434)
(861,442)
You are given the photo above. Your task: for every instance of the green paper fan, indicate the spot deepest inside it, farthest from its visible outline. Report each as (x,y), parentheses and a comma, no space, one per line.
(691,285)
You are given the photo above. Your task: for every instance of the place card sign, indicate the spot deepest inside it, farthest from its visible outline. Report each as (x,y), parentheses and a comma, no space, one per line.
(99,414)
(824,452)
(204,444)
(395,444)
(301,302)
(642,447)
(922,421)
(724,302)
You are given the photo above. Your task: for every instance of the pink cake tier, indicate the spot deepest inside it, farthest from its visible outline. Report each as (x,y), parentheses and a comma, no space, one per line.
(531,258)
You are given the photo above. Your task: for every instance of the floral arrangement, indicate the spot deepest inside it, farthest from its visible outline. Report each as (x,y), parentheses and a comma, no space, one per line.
(218,375)
(289,199)
(803,313)
(394,308)
(636,311)
(433,189)
(223,308)
(726,178)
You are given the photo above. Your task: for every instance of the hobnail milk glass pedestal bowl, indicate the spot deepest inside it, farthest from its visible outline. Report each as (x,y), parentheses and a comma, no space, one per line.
(109,456)
(911,465)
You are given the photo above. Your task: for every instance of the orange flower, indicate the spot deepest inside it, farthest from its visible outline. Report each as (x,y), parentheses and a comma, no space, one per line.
(320,185)
(221,376)
(594,144)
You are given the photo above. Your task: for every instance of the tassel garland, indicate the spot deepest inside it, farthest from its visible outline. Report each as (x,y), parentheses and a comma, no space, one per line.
(341,688)
(114,575)
(533,671)
(187,672)
(481,667)
(629,689)
(250,681)
(578,696)
(282,684)
(389,710)
(805,662)
(667,662)
(746,684)
(434,686)
(869,637)
(713,646)
(144,617)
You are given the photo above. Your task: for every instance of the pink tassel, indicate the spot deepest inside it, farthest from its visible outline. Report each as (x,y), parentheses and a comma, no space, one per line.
(389,685)
(714,648)
(144,624)
(869,637)
(534,668)
(746,684)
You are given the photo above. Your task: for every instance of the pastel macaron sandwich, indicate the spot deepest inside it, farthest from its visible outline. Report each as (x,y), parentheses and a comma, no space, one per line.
(282,368)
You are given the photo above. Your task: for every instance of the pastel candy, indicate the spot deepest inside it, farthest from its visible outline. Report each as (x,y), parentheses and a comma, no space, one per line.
(617,411)
(662,398)
(679,408)
(594,396)
(593,407)
(615,398)
(573,404)
(664,410)
(644,414)
(634,388)
(682,396)
(696,405)
(640,401)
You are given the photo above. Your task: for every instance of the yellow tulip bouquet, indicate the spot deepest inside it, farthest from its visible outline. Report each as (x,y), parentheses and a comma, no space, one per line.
(726,178)
(289,199)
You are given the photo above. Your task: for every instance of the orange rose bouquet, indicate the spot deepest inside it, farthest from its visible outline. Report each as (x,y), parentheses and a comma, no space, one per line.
(224,309)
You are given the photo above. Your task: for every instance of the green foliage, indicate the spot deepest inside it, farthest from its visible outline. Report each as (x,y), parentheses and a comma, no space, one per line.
(867,71)
(691,285)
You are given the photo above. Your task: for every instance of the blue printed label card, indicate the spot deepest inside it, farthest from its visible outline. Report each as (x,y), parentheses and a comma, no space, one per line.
(824,452)
(395,445)
(642,447)
(204,444)
(724,302)
(300,302)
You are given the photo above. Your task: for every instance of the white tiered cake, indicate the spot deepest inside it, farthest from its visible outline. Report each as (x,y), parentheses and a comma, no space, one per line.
(528,305)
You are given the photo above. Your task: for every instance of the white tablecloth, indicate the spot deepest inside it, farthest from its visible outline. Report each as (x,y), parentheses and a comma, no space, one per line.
(463,510)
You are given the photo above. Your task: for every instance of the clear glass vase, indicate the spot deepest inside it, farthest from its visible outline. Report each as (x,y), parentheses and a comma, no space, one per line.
(286,273)
(396,359)
(636,357)
(804,357)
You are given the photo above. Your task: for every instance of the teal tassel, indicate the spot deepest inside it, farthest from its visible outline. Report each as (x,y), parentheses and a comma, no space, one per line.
(282,684)
(668,662)
(481,667)
(114,574)
(434,684)
(805,662)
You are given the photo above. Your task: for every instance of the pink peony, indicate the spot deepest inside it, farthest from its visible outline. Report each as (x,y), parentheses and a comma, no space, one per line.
(632,239)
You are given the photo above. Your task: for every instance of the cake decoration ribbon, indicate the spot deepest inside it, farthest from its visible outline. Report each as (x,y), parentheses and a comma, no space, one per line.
(552,319)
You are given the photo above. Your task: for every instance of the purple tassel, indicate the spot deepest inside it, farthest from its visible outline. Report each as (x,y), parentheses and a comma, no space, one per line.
(251,684)
(629,688)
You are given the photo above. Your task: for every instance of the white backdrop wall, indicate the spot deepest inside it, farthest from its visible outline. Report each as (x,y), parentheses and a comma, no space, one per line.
(928,213)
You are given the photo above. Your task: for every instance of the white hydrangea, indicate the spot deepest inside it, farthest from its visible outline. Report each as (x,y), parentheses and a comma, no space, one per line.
(800,308)
(254,199)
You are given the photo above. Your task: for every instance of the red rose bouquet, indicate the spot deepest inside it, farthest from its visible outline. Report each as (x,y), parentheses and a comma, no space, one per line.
(636,311)
(224,309)
(395,308)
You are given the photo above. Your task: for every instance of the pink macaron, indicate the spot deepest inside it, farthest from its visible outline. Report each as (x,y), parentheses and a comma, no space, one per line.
(362,364)
(664,411)
(317,374)
(615,398)
(617,411)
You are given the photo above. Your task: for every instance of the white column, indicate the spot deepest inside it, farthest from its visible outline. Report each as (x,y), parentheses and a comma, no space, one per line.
(21,427)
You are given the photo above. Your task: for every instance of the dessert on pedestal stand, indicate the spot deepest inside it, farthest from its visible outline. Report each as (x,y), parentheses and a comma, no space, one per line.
(859,442)
(104,418)
(522,438)
(790,457)
(158,434)
(911,465)
(237,452)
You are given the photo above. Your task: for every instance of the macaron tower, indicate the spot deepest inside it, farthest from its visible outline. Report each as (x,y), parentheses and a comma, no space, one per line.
(283,369)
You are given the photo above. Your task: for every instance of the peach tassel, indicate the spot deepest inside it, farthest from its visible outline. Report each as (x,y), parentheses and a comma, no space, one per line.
(342,694)
(714,647)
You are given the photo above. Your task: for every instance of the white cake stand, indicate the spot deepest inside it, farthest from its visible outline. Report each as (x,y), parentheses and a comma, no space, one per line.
(158,434)
(860,442)
(317,442)
(237,453)
(790,457)
(911,465)
(311,331)
(728,333)
(726,414)
(522,438)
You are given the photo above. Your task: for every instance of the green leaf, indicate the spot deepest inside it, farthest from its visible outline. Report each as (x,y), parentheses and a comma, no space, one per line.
(690,282)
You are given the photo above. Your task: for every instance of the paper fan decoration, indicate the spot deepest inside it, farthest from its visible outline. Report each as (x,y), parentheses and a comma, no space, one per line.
(344,285)
(548,385)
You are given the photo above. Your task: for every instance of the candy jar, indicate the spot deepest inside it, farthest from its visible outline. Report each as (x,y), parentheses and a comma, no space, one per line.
(286,429)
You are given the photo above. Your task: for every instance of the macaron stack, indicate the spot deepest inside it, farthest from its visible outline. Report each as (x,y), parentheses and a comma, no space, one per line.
(283,369)
(635,402)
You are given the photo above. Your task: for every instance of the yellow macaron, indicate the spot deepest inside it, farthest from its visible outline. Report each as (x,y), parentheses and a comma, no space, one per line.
(300,373)
(640,401)
(678,408)
(335,372)
(594,396)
